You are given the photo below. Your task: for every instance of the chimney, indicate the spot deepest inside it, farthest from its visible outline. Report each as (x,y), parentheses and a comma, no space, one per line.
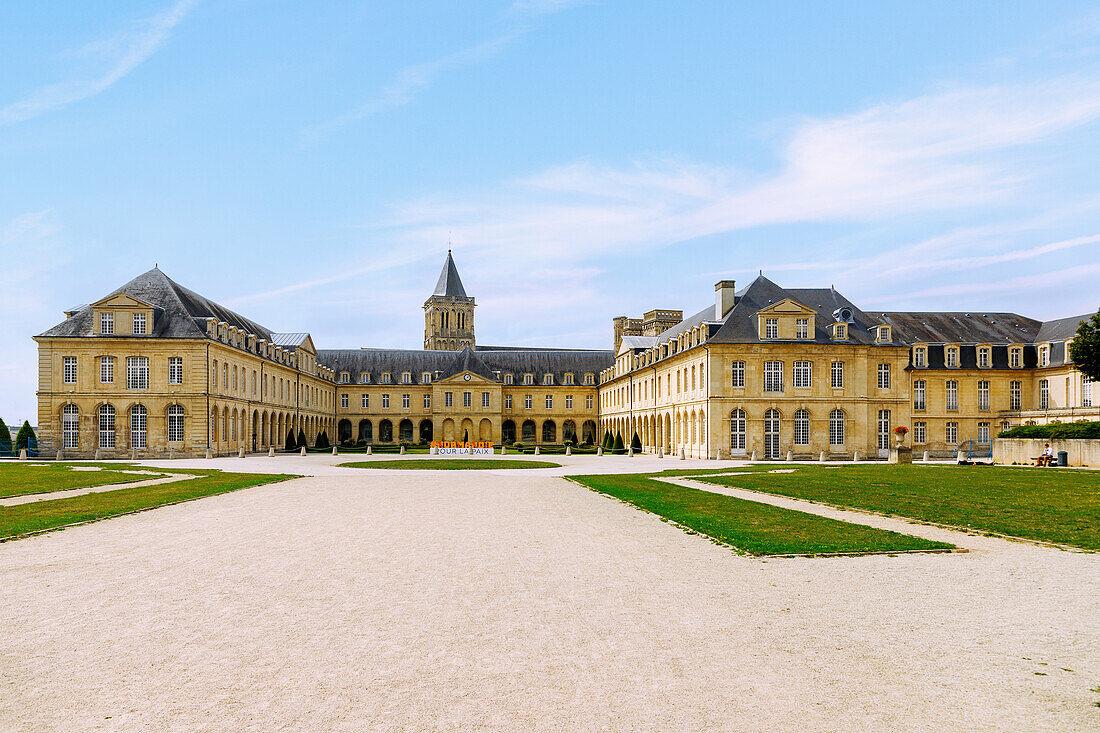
(723,298)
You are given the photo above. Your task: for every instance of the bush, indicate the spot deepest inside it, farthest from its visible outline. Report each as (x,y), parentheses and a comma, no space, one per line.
(636,443)
(517,445)
(322,440)
(1056,431)
(302,443)
(26,439)
(618,447)
(5,440)
(290,445)
(608,441)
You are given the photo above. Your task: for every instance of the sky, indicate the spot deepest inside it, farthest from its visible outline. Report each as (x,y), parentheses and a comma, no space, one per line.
(308,164)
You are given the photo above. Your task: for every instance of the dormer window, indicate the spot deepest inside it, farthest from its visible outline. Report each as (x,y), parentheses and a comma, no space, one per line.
(364,377)
(528,379)
(589,379)
(1015,357)
(509,379)
(1044,355)
(569,379)
(920,356)
(139,324)
(1065,351)
(951,357)
(426,378)
(840,331)
(345,378)
(385,377)
(406,378)
(985,357)
(802,328)
(106,324)
(548,379)
(771,328)
(882,335)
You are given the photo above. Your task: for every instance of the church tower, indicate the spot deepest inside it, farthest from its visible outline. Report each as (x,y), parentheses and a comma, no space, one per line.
(449,313)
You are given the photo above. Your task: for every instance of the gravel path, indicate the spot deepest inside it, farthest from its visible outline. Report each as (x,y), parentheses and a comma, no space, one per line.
(501,601)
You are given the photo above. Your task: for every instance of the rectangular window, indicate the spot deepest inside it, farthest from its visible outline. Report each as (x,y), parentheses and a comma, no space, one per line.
(106,323)
(69,370)
(802,327)
(884,376)
(983,433)
(951,433)
(773,376)
(1015,358)
(837,375)
(448,399)
(1044,394)
(406,378)
(951,357)
(426,378)
(406,401)
(1014,396)
(919,395)
(175,370)
(366,401)
(588,402)
(344,401)
(983,358)
(385,378)
(803,373)
(106,369)
(952,394)
(427,402)
(983,395)
(385,402)
(738,374)
(549,402)
(1005,426)
(801,428)
(919,433)
(569,402)
(1086,391)
(467,399)
(920,357)
(548,379)
(139,324)
(70,426)
(507,402)
(527,402)
(1044,356)
(484,399)
(137,372)
(771,328)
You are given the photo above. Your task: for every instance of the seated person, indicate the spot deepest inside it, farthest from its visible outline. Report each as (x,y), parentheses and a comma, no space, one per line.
(1047,457)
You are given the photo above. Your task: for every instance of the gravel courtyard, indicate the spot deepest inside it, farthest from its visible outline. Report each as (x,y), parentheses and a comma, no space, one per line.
(354,600)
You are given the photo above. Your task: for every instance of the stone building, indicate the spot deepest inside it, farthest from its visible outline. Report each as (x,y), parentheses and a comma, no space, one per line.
(155,369)
(773,371)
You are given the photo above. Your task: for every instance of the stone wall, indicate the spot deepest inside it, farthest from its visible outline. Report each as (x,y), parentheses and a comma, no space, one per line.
(1024,450)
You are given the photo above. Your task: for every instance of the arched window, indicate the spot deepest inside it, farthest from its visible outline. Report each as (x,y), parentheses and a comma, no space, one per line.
(70,426)
(366,431)
(836,427)
(549,432)
(106,426)
(139,422)
(737,431)
(802,427)
(175,424)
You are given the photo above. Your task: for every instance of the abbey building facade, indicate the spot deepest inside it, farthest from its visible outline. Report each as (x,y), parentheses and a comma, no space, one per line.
(155,369)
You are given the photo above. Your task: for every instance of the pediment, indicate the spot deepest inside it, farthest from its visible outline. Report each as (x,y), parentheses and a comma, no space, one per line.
(466,377)
(122,300)
(787,306)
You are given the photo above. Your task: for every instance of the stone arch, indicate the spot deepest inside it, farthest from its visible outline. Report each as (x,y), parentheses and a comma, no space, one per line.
(467,430)
(485,430)
(427,431)
(448,429)
(588,432)
(508,432)
(405,430)
(528,431)
(385,431)
(568,430)
(366,431)
(343,432)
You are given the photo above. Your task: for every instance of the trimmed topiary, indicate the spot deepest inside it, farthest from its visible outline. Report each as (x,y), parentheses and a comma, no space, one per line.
(322,440)
(301,439)
(618,447)
(5,440)
(636,443)
(26,438)
(290,444)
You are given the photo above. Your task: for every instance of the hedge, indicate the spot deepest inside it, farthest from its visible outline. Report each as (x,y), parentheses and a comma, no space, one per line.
(1056,431)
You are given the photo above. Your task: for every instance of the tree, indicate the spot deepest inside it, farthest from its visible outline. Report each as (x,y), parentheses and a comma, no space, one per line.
(302,439)
(5,440)
(26,438)
(608,442)
(619,447)
(1085,347)
(322,440)
(636,443)
(290,445)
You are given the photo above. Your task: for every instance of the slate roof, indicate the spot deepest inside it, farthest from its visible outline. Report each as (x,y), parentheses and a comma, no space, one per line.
(1062,329)
(450,284)
(180,312)
(487,363)
(960,328)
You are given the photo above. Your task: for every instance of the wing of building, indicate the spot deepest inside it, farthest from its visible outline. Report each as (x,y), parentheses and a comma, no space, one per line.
(154,368)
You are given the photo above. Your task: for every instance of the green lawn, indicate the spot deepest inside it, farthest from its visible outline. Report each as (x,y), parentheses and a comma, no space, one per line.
(450,464)
(1037,504)
(749,526)
(17,478)
(55,513)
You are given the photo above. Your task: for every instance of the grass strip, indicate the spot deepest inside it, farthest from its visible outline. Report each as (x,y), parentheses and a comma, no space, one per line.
(56,513)
(1062,507)
(450,464)
(18,479)
(749,526)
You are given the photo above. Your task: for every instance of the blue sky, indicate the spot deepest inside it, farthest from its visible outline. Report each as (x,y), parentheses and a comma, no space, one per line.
(307,163)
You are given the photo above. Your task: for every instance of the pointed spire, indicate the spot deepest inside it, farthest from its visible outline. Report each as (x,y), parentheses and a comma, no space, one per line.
(450,284)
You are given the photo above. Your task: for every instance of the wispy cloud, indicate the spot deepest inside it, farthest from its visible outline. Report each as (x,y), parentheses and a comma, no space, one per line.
(124,52)
(417,78)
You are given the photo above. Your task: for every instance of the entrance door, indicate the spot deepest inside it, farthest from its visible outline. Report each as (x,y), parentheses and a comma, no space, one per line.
(771,434)
(883,433)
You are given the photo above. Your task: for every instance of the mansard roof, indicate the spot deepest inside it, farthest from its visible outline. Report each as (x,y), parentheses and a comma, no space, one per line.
(491,364)
(1062,329)
(450,284)
(960,328)
(181,313)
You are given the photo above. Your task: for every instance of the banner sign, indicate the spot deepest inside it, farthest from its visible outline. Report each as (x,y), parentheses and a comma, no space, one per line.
(451,448)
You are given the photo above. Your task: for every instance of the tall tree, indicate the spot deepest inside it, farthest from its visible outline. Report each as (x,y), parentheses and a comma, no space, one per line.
(25,438)
(5,440)
(1085,347)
